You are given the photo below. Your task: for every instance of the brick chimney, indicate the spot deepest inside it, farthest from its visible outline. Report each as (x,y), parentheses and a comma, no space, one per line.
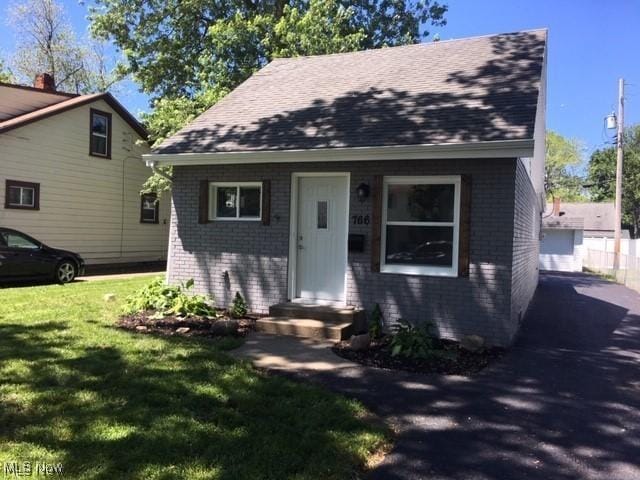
(45,81)
(556,207)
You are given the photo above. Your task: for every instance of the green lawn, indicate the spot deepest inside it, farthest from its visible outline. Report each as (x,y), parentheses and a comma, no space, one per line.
(111,404)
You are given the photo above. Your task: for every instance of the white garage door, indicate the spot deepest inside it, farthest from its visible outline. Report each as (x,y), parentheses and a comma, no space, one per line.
(556,251)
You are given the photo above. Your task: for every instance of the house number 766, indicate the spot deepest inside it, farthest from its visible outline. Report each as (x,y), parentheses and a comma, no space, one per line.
(360,219)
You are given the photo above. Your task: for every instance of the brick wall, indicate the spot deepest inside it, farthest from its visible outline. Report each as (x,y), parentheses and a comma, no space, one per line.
(526,245)
(249,257)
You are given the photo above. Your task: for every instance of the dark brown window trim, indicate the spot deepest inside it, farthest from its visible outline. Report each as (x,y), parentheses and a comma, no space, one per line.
(93,111)
(17,183)
(157,205)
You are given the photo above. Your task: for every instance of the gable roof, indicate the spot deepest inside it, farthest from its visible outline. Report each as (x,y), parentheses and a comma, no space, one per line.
(69,103)
(596,216)
(19,99)
(478,89)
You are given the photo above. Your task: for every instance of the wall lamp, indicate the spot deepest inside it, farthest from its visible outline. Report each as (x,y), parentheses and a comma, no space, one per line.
(362,192)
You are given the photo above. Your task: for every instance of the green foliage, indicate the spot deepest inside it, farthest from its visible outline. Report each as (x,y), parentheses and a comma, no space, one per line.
(563,157)
(238,307)
(412,341)
(376,321)
(601,177)
(5,74)
(168,116)
(169,300)
(191,53)
(179,48)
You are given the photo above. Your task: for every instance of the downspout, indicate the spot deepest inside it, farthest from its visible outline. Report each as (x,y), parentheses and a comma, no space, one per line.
(152,164)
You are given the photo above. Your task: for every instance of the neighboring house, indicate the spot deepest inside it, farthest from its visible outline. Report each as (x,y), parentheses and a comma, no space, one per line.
(569,229)
(411,177)
(71,174)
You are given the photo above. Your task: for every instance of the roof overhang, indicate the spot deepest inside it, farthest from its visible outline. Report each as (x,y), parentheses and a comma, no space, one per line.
(488,149)
(69,104)
(563,223)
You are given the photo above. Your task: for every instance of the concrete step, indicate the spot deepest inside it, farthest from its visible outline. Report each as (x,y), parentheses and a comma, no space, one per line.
(326,313)
(305,327)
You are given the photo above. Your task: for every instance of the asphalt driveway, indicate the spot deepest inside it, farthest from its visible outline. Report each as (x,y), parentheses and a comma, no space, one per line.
(563,404)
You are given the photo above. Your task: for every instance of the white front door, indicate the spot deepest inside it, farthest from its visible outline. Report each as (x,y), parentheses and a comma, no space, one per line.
(321,238)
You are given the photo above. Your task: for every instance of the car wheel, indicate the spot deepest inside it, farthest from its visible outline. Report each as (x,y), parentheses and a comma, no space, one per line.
(66,271)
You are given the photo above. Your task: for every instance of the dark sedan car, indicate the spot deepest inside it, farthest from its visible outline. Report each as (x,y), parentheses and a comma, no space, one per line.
(24,258)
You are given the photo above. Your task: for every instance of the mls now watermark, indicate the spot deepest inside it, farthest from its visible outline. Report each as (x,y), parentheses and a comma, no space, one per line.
(31,469)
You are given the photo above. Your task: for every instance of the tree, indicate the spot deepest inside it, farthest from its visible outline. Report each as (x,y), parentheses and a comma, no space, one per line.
(5,73)
(601,177)
(188,55)
(46,43)
(563,157)
(223,42)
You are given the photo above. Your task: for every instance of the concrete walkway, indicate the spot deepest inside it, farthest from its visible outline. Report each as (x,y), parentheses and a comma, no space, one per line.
(563,404)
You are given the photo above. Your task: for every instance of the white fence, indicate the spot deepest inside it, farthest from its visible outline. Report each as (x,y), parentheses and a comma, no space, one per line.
(601,260)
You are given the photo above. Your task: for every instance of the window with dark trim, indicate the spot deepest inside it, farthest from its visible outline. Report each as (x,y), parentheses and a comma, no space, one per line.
(149,208)
(100,134)
(235,201)
(22,195)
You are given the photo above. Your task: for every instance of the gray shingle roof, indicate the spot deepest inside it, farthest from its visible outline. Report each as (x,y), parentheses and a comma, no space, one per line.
(457,91)
(597,216)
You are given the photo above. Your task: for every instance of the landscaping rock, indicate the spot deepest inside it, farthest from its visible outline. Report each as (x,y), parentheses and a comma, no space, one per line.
(472,343)
(109,297)
(360,342)
(141,327)
(182,330)
(225,327)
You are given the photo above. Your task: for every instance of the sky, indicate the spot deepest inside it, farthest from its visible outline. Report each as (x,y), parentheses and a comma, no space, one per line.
(591,45)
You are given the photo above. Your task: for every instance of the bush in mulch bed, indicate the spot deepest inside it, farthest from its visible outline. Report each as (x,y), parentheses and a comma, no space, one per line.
(173,310)
(445,358)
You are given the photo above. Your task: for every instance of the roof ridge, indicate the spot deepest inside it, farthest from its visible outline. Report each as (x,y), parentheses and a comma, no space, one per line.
(39,90)
(410,45)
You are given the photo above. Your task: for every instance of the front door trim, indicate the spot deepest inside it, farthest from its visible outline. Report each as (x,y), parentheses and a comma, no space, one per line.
(293,228)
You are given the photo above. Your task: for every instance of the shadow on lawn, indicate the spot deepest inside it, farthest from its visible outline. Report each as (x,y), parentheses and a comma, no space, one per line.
(192,412)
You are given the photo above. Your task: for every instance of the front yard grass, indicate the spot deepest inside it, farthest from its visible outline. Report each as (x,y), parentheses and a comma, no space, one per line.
(109,404)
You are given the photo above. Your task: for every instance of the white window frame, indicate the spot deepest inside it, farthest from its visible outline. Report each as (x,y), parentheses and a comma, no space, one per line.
(213,201)
(428,270)
(22,203)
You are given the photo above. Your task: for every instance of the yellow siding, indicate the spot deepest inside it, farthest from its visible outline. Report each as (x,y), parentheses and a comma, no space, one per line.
(89,205)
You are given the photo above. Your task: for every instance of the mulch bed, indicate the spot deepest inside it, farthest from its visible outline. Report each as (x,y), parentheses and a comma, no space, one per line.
(186,327)
(453,361)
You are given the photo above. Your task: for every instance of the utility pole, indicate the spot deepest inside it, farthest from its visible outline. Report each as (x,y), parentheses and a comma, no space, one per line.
(619,159)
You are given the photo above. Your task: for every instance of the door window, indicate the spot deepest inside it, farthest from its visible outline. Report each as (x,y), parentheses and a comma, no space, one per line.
(323,212)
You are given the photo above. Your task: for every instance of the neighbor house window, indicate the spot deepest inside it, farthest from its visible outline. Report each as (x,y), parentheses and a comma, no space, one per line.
(420,224)
(149,208)
(24,195)
(100,134)
(235,201)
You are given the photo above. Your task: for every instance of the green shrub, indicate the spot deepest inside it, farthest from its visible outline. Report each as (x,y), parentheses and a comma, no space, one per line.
(238,307)
(412,341)
(375,322)
(169,300)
